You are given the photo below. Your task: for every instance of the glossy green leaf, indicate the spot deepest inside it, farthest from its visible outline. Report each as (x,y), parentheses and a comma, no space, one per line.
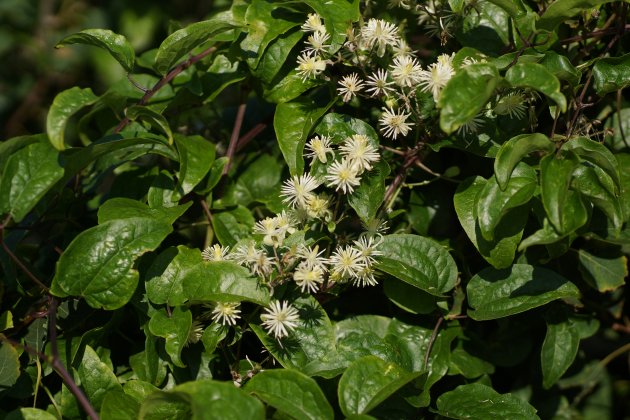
(212,336)
(562,10)
(9,365)
(276,55)
(291,393)
(409,298)
(125,208)
(154,118)
(481,402)
(117,45)
(559,349)
(174,327)
(514,150)
(496,293)
(466,94)
(536,76)
(487,29)
(597,187)
(10,146)
(337,16)
(28,413)
(221,74)
(368,197)
(96,377)
(287,86)
(259,182)
(419,261)
(501,250)
(555,177)
(223,281)
(203,399)
(65,105)
(119,406)
(27,176)
(597,154)
(493,204)
(165,277)
(561,67)
(99,263)
(183,41)
(368,382)
(293,122)
(232,225)
(515,8)
(604,273)
(196,156)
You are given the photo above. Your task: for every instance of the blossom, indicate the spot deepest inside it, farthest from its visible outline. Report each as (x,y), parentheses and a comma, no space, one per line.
(319,148)
(312,257)
(379,33)
(308,278)
(350,86)
(215,253)
(194,333)
(317,42)
(405,70)
(368,247)
(299,190)
(365,277)
(437,75)
(393,124)
(512,104)
(313,24)
(310,65)
(402,49)
(360,152)
(226,313)
(280,318)
(347,261)
(344,175)
(378,84)
(269,228)
(318,206)
(256,260)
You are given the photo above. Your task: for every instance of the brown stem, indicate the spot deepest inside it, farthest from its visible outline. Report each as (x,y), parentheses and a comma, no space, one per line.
(164,81)
(236,131)
(250,135)
(432,340)
(411,157)
(594,34)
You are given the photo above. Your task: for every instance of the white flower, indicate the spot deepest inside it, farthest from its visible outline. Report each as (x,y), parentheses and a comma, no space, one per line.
(314,24)
(405,70)
(513,104)
(318,207)
(269,228)
(360,152)
(347,262)
(350,86)
(255,259)
(215,253)
(317,42)
(402,49)
(378,84)
(308,278)
(226,313)
(285,223)
(365,277)
(437,75)
(368,248)
(394,124)
(195,333)
(312,257)
(404,4)
(299,190)
(310,65)
(472,126)
(343,175)
(319,148)
(280,318)
(375,227)
(379,33)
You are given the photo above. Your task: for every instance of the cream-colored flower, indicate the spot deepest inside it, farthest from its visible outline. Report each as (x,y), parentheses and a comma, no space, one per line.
(310,65)
(343,175)
(350,86)
(393,124)
(226,313)
(280,318)
(360,152)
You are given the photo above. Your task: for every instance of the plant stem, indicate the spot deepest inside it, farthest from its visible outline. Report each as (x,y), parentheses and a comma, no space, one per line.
(236,131)
(432,340)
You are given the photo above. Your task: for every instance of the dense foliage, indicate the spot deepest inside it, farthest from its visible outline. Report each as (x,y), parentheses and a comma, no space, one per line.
(313,209)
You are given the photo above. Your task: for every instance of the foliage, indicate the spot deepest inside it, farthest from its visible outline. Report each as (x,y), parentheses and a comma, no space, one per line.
(307,210)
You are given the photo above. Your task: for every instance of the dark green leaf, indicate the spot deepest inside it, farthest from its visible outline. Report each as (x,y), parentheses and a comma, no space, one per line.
(276,55)
(212,336)
(480,402)
(597,154)
(514,150)
(174,328)
(555,177)
(196,156)
(559,348)
(125,208)
(259,182)
(29,413)
(419,261)
(166,275)
(28,175)
(292,393)
(183,41)
(597,187)
(119,406)
(466,94)
(9,365)
(338,15)
(162,193)
(562,10)
(605,274)
(515,8)
(65,105)
(368,382)
(368,197)
(117,45)
(561,67)
(536,76)
(232,225)
(288,86)
(496,293)
(409,298)
(221,74)
(96,377)
(154,118)
(98,263)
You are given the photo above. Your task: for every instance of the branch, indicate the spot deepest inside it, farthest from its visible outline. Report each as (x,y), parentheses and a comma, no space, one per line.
(236,131)
(432,340)
(164,81)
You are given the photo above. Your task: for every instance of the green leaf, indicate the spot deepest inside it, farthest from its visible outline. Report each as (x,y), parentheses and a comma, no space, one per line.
(203,399)
(291,393)
(138,112)
(165,277)
(174,328)
(212,336)
(507,235)
(597,187)
(96,377)
(223,281)
(561,67)
(338,15)
(276,55)
(27,176)
(409,298)
(9,365)
(555,177)
(221,74)
(466,94)
(196,156)
(233,225)
(117,45)
(419,261)
(183,41)
(28,413)
(125,208)
(515,8)
(604,273)
(493,204)
(99,263)
(496,293)
(536,76)
(611,74)
(64,106)
(514,150)
(562,10)
(119,406)
(287,85)
(259,182)
(598,155)
(368,382)
(480,402)
(368,197)
(559,348)
(293,122)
